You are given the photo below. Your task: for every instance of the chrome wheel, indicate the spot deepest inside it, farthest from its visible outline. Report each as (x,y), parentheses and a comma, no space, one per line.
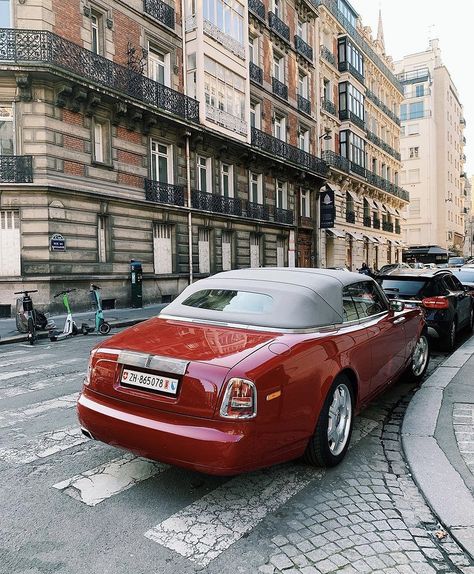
(420,356)
(339,419)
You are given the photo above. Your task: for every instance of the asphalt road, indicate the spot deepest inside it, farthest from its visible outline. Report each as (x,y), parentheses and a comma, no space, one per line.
(69,505)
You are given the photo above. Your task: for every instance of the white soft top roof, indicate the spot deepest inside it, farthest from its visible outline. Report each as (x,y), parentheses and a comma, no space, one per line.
(302,298)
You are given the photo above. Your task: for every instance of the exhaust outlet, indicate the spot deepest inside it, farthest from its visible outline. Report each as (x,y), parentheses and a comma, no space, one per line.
(86,433)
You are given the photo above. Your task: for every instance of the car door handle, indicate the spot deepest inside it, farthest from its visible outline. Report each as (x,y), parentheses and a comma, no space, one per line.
(399,320)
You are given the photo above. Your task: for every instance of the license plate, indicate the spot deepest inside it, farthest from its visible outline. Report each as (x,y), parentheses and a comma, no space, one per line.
(149,381)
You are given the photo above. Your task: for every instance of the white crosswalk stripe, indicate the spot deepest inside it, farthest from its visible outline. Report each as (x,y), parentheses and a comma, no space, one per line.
(15,416)
(95,485)
(24,359)
(29,386)
(15,374)
(203,530)
(43,445)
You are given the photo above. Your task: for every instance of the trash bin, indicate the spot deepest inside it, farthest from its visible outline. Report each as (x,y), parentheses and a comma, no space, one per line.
(136,278)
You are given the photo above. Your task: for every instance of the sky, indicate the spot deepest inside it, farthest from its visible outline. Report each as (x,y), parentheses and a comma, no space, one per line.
(408,27)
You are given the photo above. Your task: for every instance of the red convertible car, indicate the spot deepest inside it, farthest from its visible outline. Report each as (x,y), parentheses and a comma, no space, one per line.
(252,367)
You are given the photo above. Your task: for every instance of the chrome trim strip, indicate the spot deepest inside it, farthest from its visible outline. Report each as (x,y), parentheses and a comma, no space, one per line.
(154,362)
(107,351)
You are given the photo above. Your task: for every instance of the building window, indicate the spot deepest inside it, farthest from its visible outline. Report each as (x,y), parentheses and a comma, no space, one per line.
(159,66)
(204,175)
(161,162)
(162,248)
(255,115)
(97,32)
(253,50)
(414,152)
(6,131)
(412,111)
(350,99)
(102,238)
(279,67)
(255,241)
(305,203)
(227,180)
(349,54)
(204,251)
(277,8)
(352,147)
(303,139)
(255,188)
(102,143)
(347,12)
(281,194)
(419,90)
(279,128)
(5,20)
(10,244)
(227,16)
(224,89)
(303,85)
(302,30)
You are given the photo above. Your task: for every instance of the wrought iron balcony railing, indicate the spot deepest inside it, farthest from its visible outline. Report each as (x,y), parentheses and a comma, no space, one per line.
(382,145)
(160,11)
(216,203)
(257,8)
(350,216)
(160,192)
(279,27)
(257,211)
(279,89)
(376,223)
(367,221)
(387,226)
(385,109)
(279,148)
(385,185)
(281,215)
(303,48)
(348,67)
(329,107)
(23,46)
(16,169)
(256,73)
(304,105)
(328,56)
(351,116)
(358,169)
(332,6)
(335,160)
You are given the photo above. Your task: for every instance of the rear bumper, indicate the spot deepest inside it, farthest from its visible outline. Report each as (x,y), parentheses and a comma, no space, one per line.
(208,446)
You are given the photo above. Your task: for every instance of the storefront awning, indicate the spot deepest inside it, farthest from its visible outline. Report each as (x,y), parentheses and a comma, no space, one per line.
(336,233)
(355,235)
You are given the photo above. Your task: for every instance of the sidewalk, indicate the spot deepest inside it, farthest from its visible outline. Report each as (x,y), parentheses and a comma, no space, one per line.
(438,440)
(116,317)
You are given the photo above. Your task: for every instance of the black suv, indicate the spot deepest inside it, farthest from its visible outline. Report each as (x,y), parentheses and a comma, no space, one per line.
(447,305)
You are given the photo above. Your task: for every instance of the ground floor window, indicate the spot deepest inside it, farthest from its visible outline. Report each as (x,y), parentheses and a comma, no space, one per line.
(10,245)
(162,248)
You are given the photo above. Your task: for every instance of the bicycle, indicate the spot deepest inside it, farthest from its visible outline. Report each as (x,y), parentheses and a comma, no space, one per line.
(28,310)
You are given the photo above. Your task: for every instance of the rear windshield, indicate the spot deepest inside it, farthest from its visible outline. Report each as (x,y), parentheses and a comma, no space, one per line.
(456,260)
(465,276)
(229,300)
(409,288)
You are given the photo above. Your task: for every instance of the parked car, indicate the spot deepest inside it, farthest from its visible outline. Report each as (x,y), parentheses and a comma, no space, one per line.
(447,305)
(465,274)
(392,267)
(456,261)
(252,367)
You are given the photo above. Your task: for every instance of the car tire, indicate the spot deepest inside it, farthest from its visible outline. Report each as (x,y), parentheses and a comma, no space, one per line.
(449,341)
(420,359)
(331,438)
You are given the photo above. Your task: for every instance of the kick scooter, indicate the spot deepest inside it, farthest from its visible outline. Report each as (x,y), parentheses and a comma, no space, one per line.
(70,327)
(101,326)
(28,313)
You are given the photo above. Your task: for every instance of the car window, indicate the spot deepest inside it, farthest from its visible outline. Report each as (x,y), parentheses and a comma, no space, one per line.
(403,287)
(451,283)
(363,298)
(230,300)
(465,276)
(457,284)
(433,288)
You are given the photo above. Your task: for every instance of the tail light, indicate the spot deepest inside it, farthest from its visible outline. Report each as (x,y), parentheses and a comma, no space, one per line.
(240,400)
(435,303)
(87,378)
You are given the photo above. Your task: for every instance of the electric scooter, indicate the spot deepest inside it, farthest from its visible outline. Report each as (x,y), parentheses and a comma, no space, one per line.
(70,327)
(25,311)
(28,312)
(101,326)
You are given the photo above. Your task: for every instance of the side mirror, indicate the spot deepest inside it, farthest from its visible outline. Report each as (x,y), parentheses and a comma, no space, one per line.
(397,305)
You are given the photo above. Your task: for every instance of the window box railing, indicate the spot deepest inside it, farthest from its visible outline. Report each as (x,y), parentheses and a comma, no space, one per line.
(160,192)
(160,11)
(376,223)
(216,203)
(304,105)
(279,27)
(257,8)
(387,226)
(348,67)
(16,169)
(229,121)
(397,229)
(256,73)
(328,56)
(329,106)
(335,160)
(281,215)
(276,147)
(303,48)
(279,89)
(350,217)
(382,145)
(257,211)
(23,46)
(367,221)
(358,169)
(345,115)
(385,109)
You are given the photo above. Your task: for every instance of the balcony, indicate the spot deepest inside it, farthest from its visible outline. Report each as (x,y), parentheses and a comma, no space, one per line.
(226,120)
(279,27)
(283,216)
(328,56)
(160,192)
(358,169)
(350,216)
(387,226)
(346,115)
(385,109)
(386,185)
(335,160)
(276,147)
(347,67)
(304,105)
(257,211)
(376,223)
(382,145)
(257,8)
(303,49)
(25,46)
(216,203)
(16,169)
(160,11)
(256,73)
(329,107)
(279,89)
(367,221)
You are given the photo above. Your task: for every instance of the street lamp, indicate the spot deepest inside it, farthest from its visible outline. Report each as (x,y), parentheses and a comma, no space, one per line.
(326,136)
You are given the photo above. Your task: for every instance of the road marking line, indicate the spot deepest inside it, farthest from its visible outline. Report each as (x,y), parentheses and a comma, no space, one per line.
(93,486)
(14,416)
(207,527)
(43,445)
(13,374)
(26,359)
(8,392)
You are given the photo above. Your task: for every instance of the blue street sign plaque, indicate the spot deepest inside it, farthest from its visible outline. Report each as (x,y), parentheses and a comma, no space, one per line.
(57,242)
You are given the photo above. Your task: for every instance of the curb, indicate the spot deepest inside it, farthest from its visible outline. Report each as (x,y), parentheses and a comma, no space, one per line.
(44,335)
(440,483)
